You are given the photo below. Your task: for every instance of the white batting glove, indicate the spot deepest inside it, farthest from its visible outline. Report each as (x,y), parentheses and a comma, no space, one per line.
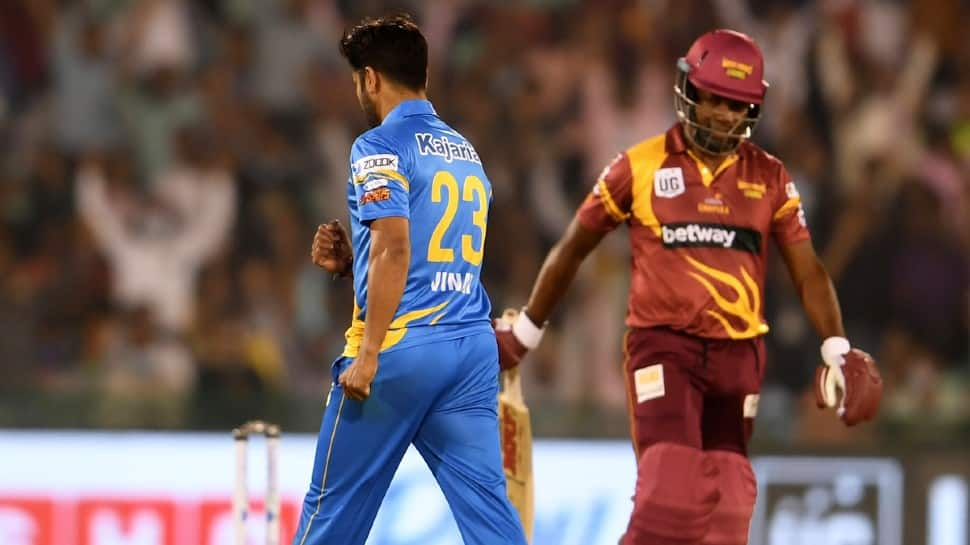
(831,381)
(516,335)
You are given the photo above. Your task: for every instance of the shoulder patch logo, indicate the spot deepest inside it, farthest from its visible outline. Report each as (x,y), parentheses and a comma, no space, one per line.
(668,182)
(374,163)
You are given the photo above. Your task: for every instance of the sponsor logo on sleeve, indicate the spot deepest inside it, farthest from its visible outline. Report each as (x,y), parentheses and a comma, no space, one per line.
(668,182)
(710,235)
(374,163)
(377,195)
(374,184)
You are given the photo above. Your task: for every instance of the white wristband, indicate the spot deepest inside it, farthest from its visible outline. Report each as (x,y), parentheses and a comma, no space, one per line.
(526,332)
(833,350)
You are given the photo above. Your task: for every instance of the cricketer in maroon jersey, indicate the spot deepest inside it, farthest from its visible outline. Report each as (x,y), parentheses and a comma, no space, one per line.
(681,218)
(701,203)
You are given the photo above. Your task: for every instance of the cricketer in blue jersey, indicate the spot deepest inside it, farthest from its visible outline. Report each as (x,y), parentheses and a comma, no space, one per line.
(420,365)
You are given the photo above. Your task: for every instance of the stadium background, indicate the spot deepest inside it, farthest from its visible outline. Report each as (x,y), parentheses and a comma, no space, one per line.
(165,163)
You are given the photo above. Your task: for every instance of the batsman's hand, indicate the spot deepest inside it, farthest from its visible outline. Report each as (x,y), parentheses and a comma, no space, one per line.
(516,335)
(331,249)
(358,376)
(848,382)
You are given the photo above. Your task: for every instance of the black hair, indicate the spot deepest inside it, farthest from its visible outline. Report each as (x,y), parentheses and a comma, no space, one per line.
(392,45)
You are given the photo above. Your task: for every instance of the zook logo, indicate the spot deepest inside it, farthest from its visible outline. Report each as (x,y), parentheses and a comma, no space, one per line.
(710,235)
(373,163)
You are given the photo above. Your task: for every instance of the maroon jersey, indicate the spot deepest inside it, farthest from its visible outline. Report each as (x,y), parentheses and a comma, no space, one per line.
(699,238)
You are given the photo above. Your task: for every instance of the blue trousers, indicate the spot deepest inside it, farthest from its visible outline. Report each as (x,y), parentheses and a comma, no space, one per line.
(441,397)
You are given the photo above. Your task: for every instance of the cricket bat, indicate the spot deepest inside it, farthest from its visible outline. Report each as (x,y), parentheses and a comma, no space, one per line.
(515,431)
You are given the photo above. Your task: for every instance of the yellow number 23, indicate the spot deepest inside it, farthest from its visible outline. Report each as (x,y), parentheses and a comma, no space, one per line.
(473,190)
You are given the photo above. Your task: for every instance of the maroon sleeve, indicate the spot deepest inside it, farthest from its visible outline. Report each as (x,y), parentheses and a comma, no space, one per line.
(788,218)
(608,204)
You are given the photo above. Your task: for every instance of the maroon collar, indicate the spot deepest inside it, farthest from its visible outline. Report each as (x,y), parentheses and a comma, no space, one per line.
(675,140)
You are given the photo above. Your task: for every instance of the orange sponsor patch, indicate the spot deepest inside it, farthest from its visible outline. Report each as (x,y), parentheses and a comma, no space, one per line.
(377,195)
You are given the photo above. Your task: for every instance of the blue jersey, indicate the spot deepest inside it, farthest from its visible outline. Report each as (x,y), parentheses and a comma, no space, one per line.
(415,166)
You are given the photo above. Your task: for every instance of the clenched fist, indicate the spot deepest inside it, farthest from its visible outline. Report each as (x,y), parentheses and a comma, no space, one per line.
(331,249)
(358,376)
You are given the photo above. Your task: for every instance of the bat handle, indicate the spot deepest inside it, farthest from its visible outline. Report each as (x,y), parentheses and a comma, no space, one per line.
(512,384)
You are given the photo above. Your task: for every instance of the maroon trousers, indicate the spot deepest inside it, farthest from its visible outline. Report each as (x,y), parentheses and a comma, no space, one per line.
(692,391)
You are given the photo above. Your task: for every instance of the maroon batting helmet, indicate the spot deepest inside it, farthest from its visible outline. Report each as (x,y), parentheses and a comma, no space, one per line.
(728,64)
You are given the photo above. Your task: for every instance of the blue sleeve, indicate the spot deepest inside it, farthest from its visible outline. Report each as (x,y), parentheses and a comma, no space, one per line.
(381,178)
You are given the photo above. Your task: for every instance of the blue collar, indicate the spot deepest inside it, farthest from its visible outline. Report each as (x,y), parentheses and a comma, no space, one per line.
(409,108)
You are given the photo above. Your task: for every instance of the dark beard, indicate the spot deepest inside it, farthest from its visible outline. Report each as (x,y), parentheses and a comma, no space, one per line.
(710,143)
(368,106)
(370,112)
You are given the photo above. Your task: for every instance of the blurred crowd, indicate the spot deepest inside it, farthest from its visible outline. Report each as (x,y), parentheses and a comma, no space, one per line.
(166,163)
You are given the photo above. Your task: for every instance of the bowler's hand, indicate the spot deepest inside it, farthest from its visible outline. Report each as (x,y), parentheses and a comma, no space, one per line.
(356,379)
(331,249)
